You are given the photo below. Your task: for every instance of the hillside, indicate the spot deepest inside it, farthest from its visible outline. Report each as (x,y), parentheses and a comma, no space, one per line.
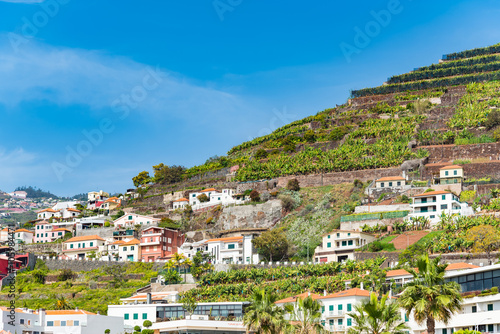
(453,102)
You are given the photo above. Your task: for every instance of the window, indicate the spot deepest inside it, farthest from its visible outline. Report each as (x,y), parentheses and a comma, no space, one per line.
(399,183)
(136,316)
(443,197)
(194,195)
(474,309)
(444,206)
(71,246)
(349,322)
(338,235)
(344,243)
(329,245)
(125,316)
(390,184)
(21,321)
(63,323)
(132,248)
(328,236)
(490,328)
(455,172)
(230,246)
(330,308)
(444,331)
(406,318)
(83,245)
(125,248)
(129,217)
(340,322)
(91,244)
(144,316)
(79,245)
(446,173)
(349,307)
(348,234)
(46,234)
(382,184)
(322,309)
(50,323)
(349,242)
(59,233)
(490,307)
(340,307)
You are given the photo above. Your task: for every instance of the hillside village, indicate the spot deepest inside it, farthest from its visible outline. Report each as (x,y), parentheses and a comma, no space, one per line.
(329,208)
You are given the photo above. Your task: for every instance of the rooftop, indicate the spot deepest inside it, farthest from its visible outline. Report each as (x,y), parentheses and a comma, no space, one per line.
(301,296)
(85,238)
(348,293)
(391,178)
(433,193)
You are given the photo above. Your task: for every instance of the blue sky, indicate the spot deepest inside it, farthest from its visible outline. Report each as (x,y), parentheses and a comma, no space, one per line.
(93,92)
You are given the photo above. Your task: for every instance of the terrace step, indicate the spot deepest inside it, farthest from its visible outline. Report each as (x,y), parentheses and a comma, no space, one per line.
(408,238)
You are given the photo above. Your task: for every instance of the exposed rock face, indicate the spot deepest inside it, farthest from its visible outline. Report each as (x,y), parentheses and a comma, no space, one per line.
(250,216)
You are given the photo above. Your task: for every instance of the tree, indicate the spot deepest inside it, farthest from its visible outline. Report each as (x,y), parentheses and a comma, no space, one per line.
(168,175)
(272,244)
(310,136)
(141,179)
(375,316)
(429,296)
(147,324)
(293,184)
(255,196)
(117,274)
(137,330)
(107,331)
(263,315)
(189,304)
(62,304)
(485,239)
(261,154)
(307,312)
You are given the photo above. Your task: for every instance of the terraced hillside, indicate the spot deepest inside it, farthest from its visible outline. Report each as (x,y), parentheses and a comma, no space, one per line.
(453,102)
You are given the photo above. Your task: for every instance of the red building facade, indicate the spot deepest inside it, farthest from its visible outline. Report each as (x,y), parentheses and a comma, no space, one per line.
(159,243)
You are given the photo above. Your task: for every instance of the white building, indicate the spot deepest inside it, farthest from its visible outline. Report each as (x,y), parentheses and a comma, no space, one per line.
(189,249)
(80,247)
(19,194)
(434,203)
(390,182)
(23,236)
(59,322)
(48,213)
(339,245)
(132,219)
(225,250)
(451,174)
(180,203)
(224,197)
(154,307)
(129,250)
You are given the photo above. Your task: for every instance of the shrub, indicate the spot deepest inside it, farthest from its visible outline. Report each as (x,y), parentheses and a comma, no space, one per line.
(261,154)
(287,202)
(428,190)
(289,148)
(358,183)
(293,184)
(338,133)
(496,134)
(203,198)
(310,136)
(107,224)
(493,119)
(265,196)
(255,196)
(65,275)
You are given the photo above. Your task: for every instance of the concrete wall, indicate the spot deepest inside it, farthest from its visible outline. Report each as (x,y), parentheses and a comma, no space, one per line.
(381,208)
(42,248)
(86,265)
(358,225)
(315,180)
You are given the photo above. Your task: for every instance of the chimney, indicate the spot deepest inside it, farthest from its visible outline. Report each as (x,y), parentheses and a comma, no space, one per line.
(324,293)
(361,287)
(41,316)
(148,298)
(76,309)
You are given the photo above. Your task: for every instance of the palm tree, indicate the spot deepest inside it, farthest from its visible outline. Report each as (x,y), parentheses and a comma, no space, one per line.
(263,316)
(307,312)
(62,304)
(429,296)
(375,316)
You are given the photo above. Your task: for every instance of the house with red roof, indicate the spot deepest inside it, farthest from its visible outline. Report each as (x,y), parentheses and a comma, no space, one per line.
(81,247)
(129,250)
(23,236)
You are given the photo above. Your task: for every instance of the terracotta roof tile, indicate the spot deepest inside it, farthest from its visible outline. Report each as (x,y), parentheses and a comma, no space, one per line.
(229,239)
(182,200)
(84,238)
(23,230)
(131,242)
(348,293)
(453,167)
(460,266)
(432,193)
(301,296)
(397,272)
(391,178)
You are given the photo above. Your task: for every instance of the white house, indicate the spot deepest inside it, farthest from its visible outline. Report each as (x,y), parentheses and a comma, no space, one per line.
(434,203)
(80,247)
(132,219)
(339,245)
(70,213)
(23,236)
(224,197)
(48,213)
(451,174)
(58,322)
(189,249)
(180,203)
(129,250)
(390,182)
(19,194)
(232,250)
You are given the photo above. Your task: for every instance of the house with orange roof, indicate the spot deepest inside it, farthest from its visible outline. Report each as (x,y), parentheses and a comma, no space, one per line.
(433,204)
(453,174)
(23,236)
(59,322)
(111,203)
(180,203)
(390,182)
(4,234)
(81,247)
(48,213)
(45,232)
(215,197)
(130,250)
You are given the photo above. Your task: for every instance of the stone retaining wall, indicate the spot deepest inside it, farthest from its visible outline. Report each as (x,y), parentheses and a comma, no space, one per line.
(439,153)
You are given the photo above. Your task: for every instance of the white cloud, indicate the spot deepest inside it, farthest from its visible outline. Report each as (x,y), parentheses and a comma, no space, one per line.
(72,76)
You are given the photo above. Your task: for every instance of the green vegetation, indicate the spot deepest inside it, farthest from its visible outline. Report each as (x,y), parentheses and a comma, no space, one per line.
(84,289)
(239,285)
(473,53)
(376,215)
(33,192)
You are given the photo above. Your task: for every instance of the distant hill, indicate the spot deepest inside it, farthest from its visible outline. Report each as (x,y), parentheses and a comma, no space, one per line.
(33,192)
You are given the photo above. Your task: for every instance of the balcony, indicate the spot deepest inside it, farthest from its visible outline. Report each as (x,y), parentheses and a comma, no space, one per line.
(150,243)
(338,313)
(339,328)
(424,203)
